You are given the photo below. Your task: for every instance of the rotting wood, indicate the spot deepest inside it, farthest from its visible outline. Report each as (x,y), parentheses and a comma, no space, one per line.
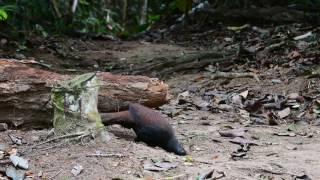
(166,65)
(25,93)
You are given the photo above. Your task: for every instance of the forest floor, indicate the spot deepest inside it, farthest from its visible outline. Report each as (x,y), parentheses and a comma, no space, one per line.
(227,132)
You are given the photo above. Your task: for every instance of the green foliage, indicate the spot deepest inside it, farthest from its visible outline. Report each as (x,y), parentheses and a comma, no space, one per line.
(3,15)
(20,18)
(40,17)
(92,18)
(44,17)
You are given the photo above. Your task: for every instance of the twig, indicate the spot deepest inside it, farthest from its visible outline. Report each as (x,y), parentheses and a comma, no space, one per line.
(275,46)
(106,155)
(59,137)
(173,177)
(55,175)
(51,147)
(232,75)
(203,162)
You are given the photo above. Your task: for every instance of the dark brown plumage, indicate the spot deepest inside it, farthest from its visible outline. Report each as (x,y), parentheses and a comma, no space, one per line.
(149,126)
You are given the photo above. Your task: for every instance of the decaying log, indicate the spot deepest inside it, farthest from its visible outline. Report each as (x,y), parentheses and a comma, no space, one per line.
(167,65)
(25,93)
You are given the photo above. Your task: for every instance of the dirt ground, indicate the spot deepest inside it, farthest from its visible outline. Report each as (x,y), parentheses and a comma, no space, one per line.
(274,152)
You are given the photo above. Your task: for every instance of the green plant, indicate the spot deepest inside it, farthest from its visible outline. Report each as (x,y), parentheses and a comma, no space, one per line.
(3,14)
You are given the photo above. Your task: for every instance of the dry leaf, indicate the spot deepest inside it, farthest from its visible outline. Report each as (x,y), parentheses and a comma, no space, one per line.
(284,113)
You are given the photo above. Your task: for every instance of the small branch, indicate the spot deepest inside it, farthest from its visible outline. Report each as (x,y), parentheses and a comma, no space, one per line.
(106,155)
(59,137)
(55,175)
(51,147)
(275,46)
(173,177)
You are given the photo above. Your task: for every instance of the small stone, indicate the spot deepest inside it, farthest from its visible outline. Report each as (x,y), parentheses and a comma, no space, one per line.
(20,162)
(76,170)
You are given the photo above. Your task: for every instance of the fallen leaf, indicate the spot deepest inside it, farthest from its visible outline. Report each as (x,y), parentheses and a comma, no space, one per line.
(233,133)
(184,94)
(200,103)
(244,94)
(213,174)
(252,105)
(158,166)
(188,159)
(237,100)
(165,165)
(242,141)
(284,113)
(15,140)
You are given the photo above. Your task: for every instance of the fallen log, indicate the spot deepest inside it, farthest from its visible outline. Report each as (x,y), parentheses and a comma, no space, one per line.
(166,65)
(25,93)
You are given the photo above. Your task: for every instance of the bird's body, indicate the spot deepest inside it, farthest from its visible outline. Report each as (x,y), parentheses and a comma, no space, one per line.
(149,126)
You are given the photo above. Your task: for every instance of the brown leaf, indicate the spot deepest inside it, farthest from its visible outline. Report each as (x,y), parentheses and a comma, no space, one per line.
(244,94)
(158,166)
(242,141)
(233,133)
(284,113)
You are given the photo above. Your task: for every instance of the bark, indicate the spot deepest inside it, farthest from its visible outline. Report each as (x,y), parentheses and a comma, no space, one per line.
(25,93)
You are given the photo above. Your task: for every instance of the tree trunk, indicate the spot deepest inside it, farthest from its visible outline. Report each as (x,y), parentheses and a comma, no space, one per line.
(25,93)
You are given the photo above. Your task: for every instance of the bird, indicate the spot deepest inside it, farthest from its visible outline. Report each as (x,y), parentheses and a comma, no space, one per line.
(149,125)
